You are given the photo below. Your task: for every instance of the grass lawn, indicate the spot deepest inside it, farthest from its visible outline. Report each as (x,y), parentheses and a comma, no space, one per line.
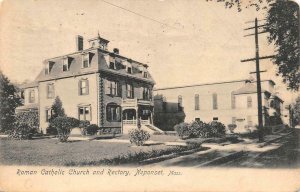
(51,152)
(162,138)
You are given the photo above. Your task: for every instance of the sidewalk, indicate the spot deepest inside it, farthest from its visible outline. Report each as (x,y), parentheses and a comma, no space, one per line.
(218,154)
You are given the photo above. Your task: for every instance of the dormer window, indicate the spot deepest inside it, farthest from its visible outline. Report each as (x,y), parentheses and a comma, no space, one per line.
(112,62)
(66,64)
(112,65)
(145,74)
(48,67)
(129,69)
(86,60)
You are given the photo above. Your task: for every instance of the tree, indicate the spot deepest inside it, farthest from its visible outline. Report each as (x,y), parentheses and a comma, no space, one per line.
(282,25)
(57,109)
(9,100)
(296,112)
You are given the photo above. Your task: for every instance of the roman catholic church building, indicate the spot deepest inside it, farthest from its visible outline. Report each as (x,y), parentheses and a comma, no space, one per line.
(94,84)
(232,102)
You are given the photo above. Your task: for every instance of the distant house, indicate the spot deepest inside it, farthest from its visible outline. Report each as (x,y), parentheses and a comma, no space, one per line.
(232,102)
(94,84)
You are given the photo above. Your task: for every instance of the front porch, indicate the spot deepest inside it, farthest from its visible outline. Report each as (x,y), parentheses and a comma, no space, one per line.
(136,111)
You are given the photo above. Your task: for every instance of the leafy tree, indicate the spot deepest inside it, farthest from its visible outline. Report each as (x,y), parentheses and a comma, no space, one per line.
(296,112)
(57,109)
(282,23)
(9,100)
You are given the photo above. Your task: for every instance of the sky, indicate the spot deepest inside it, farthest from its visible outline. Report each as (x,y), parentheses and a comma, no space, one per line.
(183,42)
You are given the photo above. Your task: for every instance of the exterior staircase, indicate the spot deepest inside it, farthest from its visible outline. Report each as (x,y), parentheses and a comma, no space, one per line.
(151,128)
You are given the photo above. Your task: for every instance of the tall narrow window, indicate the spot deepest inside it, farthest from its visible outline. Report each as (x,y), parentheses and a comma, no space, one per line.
(129,91)
(249,102)
(215,101)
(86,60)
(180,101)
(146,93)
(31,96)
(66,64)
(48,114)
(113,112)
(113,88)
(232,100)
(84,87)
(197,106)
(50,91)
(84,113)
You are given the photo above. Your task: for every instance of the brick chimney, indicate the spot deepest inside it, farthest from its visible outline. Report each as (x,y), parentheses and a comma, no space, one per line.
(79,43)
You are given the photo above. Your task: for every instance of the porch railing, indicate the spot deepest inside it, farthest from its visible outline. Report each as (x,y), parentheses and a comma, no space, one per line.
(134,122)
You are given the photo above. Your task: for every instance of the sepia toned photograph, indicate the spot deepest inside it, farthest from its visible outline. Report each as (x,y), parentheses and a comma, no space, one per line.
(149,95)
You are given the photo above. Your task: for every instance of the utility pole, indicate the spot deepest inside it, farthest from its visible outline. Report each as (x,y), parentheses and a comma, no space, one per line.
(258,82)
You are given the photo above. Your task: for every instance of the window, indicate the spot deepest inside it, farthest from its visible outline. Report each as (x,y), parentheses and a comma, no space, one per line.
(84,113)
(66,64)
(129,91)
(145,74)
(197,107)
(180,101)
(84,87)
(86,60)
(31,96)
(113,112)
(112,88)
(48,67)
(249,119)
(112,65)
(272,105)
(233,120)
(232,100)
(48,114)
(215,118)
(50,91)
(197,119)
(249,102)
(215,101)
(146,93)
(129,70)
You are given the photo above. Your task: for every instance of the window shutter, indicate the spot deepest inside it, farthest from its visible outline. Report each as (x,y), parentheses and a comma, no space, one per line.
(79,87)
(107,87)
(87,87)
(119,89)
(53,90)
(141,93)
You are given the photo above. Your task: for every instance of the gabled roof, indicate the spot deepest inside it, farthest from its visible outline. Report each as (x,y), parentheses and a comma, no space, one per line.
(247,89)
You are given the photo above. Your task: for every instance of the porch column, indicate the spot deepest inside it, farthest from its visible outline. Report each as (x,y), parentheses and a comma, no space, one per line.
(137,115)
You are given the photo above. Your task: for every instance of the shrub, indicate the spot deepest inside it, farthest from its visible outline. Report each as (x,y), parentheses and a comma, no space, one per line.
(92,129)
(21,131)
(217,129)
(167,121)
(182,130)
(57,109)
(231,127)
(83,124)
(138,136)
(51,131)
(194,129)
(64,126)
(30,118)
